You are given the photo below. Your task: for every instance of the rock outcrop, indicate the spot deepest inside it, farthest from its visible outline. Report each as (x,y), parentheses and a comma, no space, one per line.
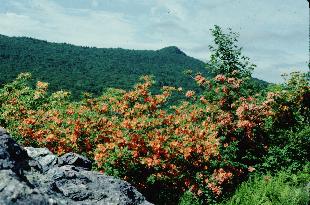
(35,176)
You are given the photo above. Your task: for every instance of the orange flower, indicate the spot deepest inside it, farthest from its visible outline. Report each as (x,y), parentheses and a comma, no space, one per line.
(251,169)
(225,89)
(29,121)
(200,80)
(215,189)
(190,93)
(104,108)
(42,85)
(187,152)
(220,78)
(203,100)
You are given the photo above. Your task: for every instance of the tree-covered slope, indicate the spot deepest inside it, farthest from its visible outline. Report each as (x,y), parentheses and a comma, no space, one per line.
(84,69)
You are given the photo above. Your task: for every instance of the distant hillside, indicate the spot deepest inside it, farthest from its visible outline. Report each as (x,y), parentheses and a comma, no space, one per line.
(81,69)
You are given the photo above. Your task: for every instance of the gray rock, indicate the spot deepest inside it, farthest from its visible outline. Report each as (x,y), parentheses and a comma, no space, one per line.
(13,190)
(75,160)
(36,176)
(12,156)
(43,156)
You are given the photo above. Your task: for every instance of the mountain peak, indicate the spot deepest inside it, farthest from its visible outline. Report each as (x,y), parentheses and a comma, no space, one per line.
(171,50)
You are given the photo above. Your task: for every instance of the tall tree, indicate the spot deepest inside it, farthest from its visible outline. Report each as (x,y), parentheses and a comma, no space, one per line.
(226,55)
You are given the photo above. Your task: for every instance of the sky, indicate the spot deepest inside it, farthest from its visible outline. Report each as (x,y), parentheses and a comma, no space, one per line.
(272,33)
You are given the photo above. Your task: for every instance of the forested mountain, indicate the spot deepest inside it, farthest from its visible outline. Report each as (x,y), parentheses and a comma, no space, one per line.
(88,69)
(84,69)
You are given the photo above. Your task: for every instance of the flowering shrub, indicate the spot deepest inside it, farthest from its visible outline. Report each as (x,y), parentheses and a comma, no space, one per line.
(203,145)
(292,101)
(288,128)
(192,147)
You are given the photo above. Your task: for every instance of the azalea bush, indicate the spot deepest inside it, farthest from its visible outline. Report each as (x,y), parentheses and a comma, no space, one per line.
(205,145)
(197,146)
(288,128)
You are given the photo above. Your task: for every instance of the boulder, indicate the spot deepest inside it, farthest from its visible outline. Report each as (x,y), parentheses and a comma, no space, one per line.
(75,160)
(36,176)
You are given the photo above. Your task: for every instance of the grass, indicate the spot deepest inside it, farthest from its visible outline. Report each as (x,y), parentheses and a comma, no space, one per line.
(281,189)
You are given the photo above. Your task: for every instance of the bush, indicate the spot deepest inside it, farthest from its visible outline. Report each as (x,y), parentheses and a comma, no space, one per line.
(284,188)
(189,198)
(291,151)
(288,131)
(196,146)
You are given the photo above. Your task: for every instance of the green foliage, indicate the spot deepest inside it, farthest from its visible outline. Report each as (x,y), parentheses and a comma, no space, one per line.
(188,198)
(93,70)
(292,101)
(227,59)
(288,151)
(288,128)
(226,56)
(284,188)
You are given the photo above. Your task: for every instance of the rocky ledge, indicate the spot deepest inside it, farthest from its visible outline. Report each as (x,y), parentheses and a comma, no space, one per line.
(35,176)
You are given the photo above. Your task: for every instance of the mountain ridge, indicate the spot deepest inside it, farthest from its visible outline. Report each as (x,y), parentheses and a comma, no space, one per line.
(172,48)
(90,69)
(81,69)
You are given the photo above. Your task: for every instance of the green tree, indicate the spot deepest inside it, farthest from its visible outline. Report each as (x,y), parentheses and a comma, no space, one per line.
(226,57)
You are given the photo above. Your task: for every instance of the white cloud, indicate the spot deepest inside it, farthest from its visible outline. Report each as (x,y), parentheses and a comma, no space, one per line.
(94,3)
(48,20)
(10,24)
